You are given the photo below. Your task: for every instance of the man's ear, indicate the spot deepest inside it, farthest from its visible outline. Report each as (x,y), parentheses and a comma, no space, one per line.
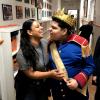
(29,32)
(64,31)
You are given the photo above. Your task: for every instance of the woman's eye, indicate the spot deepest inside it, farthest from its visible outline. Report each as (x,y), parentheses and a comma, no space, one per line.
(37,26)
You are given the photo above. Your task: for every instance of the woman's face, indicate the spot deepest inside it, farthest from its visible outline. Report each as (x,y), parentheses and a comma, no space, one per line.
(36,30)
(56,33)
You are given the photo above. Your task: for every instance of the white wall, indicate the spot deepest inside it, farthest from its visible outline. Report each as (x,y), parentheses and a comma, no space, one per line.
(90,12)
(70,4)
(6,72)
(56,4)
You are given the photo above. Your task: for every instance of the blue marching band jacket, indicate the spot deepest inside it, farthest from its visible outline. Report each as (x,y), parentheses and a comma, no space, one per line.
(78,61)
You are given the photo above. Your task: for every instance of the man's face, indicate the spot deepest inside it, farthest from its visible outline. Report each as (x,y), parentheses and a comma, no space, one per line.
(56,32)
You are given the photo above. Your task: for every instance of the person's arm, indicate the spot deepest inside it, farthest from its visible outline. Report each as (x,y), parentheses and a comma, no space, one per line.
(80,79)
(31,73)
(40,75)
(83,76)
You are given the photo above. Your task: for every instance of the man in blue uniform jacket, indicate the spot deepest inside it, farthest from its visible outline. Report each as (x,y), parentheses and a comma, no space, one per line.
(75,54)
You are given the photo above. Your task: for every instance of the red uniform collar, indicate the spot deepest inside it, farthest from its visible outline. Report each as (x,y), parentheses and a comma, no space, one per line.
(78,39)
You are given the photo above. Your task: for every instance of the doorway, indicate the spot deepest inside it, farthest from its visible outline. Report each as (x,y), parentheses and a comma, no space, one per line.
(75,12)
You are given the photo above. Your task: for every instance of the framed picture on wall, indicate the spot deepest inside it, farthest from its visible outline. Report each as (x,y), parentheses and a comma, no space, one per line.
(19,12)
(49,1)
(27,12)
(39,4)
(18,0)
(39,16)
(33,2)
(27,1)
(33,12)
(85,7)
(7,12)
(45,5)
(45,14)
(42,13)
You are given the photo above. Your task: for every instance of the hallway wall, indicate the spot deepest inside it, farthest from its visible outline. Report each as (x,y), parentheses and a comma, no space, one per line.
(13,3)
(70,4)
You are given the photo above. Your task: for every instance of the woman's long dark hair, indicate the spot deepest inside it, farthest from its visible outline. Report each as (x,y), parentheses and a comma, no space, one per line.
(28,50)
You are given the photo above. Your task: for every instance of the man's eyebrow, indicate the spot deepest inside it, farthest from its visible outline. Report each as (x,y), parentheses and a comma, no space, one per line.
(53,26)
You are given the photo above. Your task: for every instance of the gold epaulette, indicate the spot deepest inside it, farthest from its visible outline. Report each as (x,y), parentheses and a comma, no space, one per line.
(82,42)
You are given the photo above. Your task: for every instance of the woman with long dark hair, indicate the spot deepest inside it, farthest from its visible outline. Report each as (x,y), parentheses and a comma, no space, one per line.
(30,82)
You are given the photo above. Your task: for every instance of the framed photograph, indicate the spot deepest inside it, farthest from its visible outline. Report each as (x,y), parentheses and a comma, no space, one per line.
(7,12)
(19,0)
(85,7)
(39,14)
(27,12)
(47,6)
(50,14)
(33,2)
(49,1)
(42,13)
(39,4)
(33,12)
(45,14)
(50,7)
(19,12)
(27,1)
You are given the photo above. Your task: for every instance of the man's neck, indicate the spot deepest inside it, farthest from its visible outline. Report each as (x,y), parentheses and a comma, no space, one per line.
(63,39)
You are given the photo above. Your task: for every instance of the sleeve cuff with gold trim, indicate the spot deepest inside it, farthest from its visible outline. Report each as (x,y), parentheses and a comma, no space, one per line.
(81,79)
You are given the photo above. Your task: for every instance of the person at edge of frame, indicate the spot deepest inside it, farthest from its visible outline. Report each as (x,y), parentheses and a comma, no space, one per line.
(96,74)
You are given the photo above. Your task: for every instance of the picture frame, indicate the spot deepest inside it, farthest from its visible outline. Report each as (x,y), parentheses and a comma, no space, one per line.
(45,14)
(19,12)
(27,12)
(39,16)
(19,0)
(39,4)
(33,2)
(33,12)
(42,13)
(50,13)
(27,1)
(85,7)
(45,5)
(7,12)
(49,1)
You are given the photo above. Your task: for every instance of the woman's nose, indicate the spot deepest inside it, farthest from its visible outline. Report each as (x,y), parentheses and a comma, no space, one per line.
(41,27)
(50,30)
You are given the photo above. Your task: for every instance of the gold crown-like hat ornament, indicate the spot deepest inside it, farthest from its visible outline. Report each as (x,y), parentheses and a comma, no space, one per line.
(64,17)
